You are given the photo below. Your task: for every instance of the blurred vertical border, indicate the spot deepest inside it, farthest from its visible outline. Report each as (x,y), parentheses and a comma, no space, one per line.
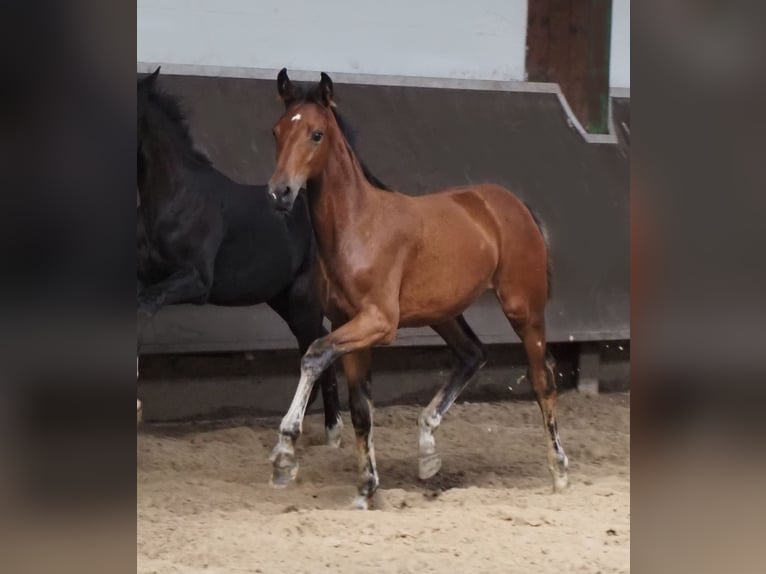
(67,318)
(697,285)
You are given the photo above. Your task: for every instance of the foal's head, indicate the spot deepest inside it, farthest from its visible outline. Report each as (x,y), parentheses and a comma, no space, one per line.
(301,136)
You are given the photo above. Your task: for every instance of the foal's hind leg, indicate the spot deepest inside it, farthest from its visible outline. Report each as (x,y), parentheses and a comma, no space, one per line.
(470,357)
(530,327)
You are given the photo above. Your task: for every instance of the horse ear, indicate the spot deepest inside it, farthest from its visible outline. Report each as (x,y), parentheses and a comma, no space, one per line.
(151,79)
(285,87)
(326,90)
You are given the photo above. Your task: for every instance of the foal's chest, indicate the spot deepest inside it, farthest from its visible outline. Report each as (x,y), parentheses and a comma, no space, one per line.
(340,292)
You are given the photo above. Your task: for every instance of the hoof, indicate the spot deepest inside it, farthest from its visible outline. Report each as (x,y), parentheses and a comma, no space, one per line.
(560,483)
(285,466)
(333,435)
(560,474)
(282,476)
(360,503)
(429,465)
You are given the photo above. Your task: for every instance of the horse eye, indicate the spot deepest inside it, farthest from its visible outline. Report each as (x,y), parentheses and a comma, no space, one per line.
(317,136)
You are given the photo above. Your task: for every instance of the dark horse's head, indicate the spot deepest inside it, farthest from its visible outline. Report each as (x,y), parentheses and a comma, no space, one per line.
(302,131)
(144,90)
(162,128)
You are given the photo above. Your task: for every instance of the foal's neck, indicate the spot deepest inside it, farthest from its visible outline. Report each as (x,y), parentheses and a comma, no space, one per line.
(341,193)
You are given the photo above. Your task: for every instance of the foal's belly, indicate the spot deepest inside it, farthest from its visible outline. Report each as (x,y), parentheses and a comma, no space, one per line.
(454,264)
(437,307)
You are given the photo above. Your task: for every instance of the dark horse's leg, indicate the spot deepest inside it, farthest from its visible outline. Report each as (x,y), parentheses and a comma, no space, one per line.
(141,325)
(185,285)
(299,307)
(470,356)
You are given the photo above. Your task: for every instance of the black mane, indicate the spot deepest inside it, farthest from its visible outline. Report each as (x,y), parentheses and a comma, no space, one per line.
(312,96)
(350,135)
(172,109)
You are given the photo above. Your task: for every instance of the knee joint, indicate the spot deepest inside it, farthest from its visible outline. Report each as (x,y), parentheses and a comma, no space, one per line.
(316,357)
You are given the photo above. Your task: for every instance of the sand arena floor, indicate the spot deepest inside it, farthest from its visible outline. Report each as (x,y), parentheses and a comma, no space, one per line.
(204,503)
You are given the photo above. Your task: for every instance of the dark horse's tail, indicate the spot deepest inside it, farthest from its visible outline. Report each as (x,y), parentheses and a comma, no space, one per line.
(549,262)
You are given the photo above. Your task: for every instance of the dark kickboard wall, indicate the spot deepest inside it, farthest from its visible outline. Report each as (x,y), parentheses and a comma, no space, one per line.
(419,140)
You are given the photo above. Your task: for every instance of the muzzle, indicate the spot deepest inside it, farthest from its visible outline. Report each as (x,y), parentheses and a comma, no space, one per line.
(284,194)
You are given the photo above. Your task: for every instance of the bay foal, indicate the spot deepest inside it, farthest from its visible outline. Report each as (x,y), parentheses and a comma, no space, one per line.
(390,260)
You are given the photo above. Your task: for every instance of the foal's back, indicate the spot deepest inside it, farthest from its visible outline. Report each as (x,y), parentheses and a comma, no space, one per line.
(461,242)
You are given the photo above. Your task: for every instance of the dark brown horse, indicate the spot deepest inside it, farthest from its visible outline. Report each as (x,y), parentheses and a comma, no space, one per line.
(390,260)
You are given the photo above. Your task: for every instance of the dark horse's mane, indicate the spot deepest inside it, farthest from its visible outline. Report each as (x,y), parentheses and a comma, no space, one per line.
(173,110)
(313,97)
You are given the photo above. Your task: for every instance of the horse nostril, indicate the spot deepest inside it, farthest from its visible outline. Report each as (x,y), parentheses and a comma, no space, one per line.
(279,193)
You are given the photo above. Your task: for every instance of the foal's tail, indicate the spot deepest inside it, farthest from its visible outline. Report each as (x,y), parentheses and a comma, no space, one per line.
(549,260)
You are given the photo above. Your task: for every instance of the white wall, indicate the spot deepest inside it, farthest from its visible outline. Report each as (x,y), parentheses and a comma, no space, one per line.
(619,65)
(459,39)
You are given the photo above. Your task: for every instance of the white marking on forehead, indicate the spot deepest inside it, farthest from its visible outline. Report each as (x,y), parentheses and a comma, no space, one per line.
(295,118)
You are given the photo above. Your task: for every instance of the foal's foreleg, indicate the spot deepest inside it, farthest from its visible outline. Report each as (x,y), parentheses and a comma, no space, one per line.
(357,368)
(283,458)
(369,327)
(303,315)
